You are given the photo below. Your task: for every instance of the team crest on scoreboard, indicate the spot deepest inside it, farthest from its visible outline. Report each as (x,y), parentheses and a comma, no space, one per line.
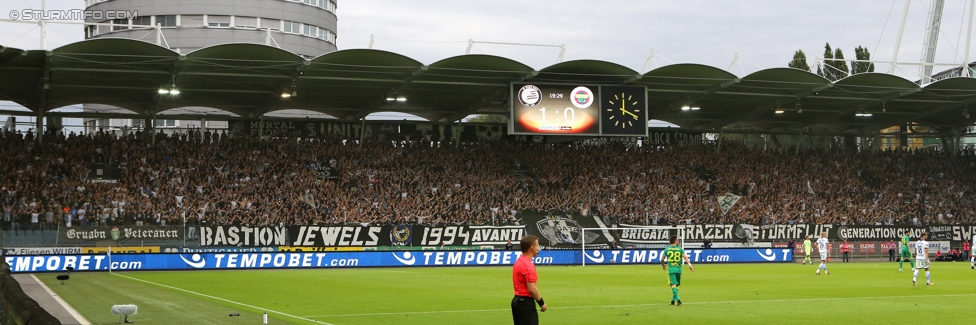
(530,95)
(582,97)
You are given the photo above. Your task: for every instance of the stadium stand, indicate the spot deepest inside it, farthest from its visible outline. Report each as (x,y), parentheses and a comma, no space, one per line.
(214,179)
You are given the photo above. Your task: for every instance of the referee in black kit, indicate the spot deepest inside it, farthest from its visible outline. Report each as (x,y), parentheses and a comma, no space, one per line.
(524,280)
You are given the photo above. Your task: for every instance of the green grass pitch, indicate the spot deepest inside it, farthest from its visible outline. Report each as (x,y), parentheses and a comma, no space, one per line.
(854,293)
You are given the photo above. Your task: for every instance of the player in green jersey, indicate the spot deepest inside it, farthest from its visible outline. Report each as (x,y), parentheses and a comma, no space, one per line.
(807,247)
(671,262)
(905,252)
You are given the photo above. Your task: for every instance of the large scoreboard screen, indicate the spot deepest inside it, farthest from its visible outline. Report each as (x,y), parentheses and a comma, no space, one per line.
(589,110)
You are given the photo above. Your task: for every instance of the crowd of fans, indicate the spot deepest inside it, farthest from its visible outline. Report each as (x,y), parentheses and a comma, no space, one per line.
(217,179)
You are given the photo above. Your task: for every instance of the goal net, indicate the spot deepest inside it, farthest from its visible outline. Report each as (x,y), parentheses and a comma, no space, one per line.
(637,237)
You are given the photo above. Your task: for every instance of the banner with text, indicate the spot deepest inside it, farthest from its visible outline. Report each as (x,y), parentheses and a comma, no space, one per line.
(213,261)
(243,236)
(124,235)
(372,130)
(402,235)
(41,250)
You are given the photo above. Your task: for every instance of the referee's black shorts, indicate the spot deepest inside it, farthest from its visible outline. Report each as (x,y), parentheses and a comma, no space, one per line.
(523,311)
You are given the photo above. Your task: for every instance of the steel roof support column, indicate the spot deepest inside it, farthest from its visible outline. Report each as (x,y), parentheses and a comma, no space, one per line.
(203,128)
(765,142)
(362,130)
(903,138)
(151,126)
(42,92)
(40,126)
(457,139)
(966,70)
(720,133)
(901,32)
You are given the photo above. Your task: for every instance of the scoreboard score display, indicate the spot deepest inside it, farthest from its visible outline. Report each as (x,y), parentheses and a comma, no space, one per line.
(588,110)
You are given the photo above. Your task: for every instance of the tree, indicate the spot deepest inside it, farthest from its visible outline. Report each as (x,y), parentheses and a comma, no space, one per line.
(826,71)
(486,118)
(840,66)
(799,61)
(862,54)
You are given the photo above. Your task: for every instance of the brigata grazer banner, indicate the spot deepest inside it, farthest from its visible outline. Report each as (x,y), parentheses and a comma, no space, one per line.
(219,261)
(128,235)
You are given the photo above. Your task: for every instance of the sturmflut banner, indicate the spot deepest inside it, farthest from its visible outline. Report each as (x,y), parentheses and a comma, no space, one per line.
(272,260)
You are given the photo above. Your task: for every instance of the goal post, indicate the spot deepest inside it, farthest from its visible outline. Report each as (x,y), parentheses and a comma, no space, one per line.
(650,237)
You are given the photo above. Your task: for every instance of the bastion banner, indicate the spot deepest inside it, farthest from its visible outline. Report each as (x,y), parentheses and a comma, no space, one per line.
(123,235)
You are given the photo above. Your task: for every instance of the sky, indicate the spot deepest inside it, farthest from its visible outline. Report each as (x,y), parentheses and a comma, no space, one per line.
(764,33)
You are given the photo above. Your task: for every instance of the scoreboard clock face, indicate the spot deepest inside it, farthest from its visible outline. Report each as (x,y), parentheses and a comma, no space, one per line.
(555,109)
(623,111)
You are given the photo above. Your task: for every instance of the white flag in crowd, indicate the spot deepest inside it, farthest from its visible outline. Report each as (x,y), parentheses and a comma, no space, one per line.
(727,201)
(309,199)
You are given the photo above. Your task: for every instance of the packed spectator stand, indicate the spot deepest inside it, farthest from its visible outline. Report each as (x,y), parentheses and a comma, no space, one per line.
(218,179)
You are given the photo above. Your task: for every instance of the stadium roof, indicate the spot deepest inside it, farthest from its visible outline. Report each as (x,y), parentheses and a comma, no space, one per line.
(248,80)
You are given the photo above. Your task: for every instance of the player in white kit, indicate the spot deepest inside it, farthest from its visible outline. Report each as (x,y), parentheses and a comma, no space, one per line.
(972,254)
(823,245)
(922,259)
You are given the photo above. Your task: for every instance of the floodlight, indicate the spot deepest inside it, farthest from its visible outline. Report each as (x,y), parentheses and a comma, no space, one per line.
(779,111)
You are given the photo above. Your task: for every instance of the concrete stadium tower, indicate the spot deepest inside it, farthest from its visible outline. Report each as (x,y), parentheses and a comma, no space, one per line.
(304,27)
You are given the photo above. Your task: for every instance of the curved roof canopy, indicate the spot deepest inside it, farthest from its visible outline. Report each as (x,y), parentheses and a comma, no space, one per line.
(250,80)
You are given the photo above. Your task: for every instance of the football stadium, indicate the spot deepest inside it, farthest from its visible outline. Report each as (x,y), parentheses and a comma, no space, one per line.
(228,163)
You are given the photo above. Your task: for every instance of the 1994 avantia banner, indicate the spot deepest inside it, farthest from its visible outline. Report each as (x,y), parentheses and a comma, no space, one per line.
(217,261)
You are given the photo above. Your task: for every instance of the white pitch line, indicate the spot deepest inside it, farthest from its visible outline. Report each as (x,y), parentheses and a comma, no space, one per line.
(414,312)
(225,300)
(638,305)
(71,311)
